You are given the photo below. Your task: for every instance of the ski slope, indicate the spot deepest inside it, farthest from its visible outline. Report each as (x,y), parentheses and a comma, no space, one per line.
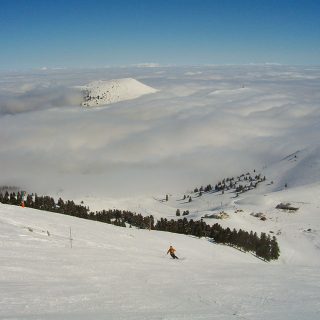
(124,273)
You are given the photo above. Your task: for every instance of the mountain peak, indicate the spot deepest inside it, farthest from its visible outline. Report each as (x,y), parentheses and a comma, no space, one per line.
(102,92)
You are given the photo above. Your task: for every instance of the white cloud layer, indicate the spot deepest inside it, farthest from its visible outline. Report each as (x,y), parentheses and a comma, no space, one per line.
(203,124)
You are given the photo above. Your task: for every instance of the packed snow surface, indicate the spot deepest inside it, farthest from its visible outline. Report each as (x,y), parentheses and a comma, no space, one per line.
(124,273)
(110,91)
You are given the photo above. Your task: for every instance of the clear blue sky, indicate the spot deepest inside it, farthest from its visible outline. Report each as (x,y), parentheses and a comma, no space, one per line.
(67,33)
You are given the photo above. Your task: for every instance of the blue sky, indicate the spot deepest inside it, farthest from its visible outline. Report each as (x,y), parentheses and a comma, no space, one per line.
(184,32)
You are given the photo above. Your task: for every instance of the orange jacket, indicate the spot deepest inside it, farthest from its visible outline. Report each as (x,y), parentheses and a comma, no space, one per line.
(171,250)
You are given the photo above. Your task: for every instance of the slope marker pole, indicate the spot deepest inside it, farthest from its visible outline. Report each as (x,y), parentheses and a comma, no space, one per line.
(70,238)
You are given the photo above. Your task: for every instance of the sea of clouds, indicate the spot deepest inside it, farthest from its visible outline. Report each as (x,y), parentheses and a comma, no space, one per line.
(203,124)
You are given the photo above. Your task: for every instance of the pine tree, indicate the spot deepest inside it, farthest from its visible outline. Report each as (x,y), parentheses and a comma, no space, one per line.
(6,198)
(263,248)
(233,239)
(275,251)
(13,199)
(29,201)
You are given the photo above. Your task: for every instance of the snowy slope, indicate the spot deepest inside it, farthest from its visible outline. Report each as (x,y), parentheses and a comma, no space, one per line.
(123,273)
(110,91)
(297,169)
(298,232)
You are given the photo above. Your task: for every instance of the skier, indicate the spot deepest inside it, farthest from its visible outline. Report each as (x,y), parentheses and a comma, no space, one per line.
(172,250)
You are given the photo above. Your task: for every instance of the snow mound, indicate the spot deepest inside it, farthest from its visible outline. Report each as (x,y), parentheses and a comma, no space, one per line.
(104,92)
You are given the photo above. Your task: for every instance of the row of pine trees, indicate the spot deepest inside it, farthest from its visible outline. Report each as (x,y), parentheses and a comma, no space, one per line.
(264,246)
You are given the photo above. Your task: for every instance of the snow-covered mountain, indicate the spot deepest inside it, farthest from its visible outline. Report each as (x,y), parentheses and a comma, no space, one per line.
(292,179)
(103,92)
